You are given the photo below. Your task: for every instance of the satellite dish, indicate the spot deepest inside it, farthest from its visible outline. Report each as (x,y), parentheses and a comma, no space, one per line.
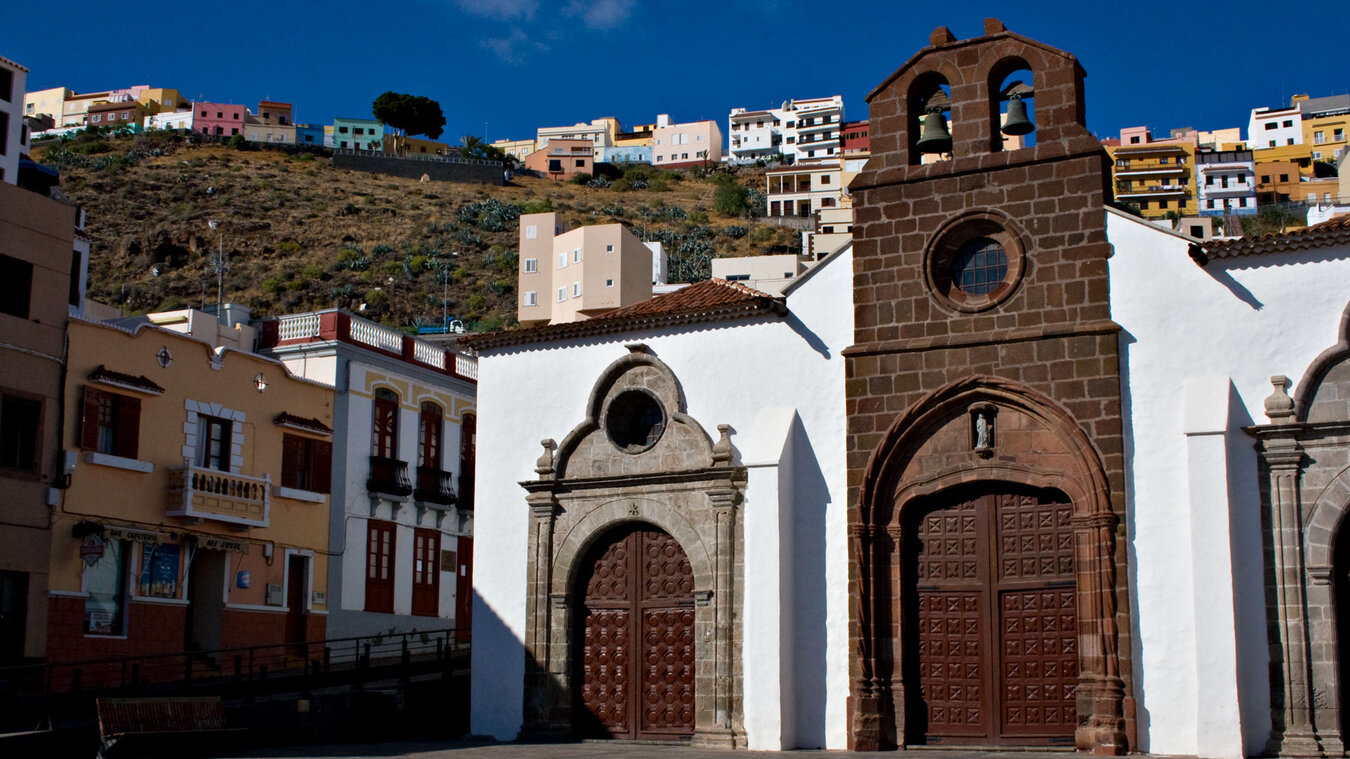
(213,224)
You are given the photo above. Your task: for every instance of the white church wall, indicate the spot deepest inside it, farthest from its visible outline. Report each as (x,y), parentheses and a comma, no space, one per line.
(728,374)
(1237,320)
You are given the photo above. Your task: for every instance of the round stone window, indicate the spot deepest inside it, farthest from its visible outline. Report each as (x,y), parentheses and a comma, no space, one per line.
(980,266)
(635,421)
(975,262)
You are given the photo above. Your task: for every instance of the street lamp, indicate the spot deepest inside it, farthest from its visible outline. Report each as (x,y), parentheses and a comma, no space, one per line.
(221,268)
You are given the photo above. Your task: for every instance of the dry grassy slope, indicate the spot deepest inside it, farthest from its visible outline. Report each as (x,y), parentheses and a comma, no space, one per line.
(286,222)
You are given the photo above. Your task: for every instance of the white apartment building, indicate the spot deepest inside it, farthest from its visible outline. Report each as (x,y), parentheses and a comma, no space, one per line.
(170,120)
(13,133)
(1274,127)
(799,129)
(1226,182)
(567,276)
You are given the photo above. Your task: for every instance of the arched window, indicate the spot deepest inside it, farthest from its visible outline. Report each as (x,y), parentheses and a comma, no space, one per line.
(930,112)
(384,430)
(430,422)
(1012,105)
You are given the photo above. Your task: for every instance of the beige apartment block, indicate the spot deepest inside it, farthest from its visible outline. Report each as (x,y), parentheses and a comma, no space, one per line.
(37,247)
(600,133)
(562,159)
(516,148)
(768,274)
(567,276)
(679,145)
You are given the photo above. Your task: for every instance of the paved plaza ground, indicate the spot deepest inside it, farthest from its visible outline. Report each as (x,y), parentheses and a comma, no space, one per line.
(600,750)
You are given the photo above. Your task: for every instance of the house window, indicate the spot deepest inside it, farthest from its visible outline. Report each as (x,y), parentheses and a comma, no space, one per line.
(19,426)
(430,422)
(581,163)
(609,283)
(562,260)
(236,116)
(105,583)
(1265,178)
(531,264)
(111,423)
(306,464)
(1287,123)
(1337,135)
(609,248)
(16,284)
(576,256)
(1317,155)
(426,593)
(825,179)
(1284,177)
(1319,138)
(562,294)
(1289,141)
(7,85)
(576,289)
(380,566)
(97,118)
(1270,125)
(213,443)
(531,299)
(384,431)
(554,164)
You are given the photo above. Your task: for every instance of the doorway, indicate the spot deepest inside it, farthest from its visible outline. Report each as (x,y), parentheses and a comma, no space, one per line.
(206,600)
(990,612)
(297,595)
(13,616)
(635,656)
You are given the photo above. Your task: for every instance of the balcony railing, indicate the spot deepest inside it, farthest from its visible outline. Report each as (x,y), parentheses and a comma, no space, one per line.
(199,493)
(1156,189)
(389,476)
(341,326)
(434,486)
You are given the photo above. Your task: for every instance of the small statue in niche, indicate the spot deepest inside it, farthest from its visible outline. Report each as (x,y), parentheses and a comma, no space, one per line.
(982,432)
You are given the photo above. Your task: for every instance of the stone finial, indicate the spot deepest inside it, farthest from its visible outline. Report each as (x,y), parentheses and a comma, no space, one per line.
(994,26)
(1279,406)
(941,36)
(721,452)
(544,466)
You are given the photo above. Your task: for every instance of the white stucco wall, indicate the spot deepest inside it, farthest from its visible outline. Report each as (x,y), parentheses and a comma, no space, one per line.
(730,374)
(1198,348)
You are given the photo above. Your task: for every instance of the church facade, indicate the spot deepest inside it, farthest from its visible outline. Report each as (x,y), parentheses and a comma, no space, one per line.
(1016,469)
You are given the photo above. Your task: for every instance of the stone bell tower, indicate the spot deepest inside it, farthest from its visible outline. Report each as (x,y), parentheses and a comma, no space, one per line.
(986,481)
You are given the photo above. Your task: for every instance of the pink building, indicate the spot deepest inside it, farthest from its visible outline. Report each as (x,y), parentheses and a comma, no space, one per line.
(218,119)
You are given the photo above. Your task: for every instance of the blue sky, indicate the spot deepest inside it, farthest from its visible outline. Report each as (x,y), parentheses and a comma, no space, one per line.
(504,67)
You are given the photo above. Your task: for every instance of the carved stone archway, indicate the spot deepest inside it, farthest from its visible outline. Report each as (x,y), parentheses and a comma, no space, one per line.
(983,430)
(1306,493)
(636,457)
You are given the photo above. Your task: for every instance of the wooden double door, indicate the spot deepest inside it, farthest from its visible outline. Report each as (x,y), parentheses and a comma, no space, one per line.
(990,618)
(635,657)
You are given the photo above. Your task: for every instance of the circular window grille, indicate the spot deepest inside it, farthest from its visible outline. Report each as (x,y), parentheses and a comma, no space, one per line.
(635,421)
(980,266)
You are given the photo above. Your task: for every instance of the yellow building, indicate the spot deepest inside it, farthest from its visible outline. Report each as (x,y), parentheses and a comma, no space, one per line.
(163,100)
(51,102)
(517,148)
(195,507)
(1156,176)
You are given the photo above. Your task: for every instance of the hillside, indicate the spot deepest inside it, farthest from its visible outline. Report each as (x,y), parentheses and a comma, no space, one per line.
(299,234)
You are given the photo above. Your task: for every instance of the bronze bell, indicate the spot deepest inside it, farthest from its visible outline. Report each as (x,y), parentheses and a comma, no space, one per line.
(935,138)
(1017,121)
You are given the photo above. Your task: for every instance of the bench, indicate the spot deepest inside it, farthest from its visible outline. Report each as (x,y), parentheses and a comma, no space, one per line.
(155,725)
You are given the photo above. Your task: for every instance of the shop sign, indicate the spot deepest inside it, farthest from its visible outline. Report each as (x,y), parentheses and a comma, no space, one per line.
(129,533)
(224,544)
(91,549)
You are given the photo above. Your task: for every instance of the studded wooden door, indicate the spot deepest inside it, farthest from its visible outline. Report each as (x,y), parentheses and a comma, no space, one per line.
(991,619)
(636,636)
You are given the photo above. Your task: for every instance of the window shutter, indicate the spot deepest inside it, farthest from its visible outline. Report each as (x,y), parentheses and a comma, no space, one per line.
(290,461)
(322,466)
(89,419)
(128,426)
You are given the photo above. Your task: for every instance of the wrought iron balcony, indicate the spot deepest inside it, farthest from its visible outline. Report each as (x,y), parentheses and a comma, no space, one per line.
(434,486)
(199,493)
(389,476)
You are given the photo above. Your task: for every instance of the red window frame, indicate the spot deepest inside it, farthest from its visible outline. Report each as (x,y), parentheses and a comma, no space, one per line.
(380,551)
(431,423)
(384,430)
(426,593)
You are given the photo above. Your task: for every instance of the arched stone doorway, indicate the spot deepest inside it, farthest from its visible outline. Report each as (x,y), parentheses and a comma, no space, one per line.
(634,662)
(978,438)
(990,616)
(637,464)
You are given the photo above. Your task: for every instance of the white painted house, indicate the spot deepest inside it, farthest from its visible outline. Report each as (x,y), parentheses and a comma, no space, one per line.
(401,527)
(714,343)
